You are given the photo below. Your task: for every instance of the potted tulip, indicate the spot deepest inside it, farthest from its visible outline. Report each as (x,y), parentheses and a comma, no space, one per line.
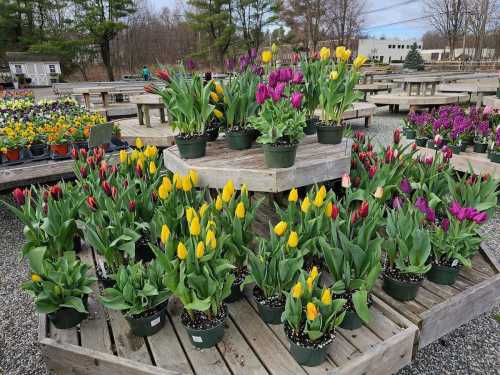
(337,95)
(454,242)
(494,154)
(482,133)
(312,70)
(189,109)
(310,317)
(280,119)
(60,288)
(408,248)
(274,268)
(141,294)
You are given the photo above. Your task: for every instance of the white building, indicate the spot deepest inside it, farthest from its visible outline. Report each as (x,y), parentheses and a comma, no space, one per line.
(41,70)
(386,50)
(430,55)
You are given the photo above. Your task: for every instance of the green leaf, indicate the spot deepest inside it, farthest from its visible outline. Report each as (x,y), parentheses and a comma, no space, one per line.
(360,302)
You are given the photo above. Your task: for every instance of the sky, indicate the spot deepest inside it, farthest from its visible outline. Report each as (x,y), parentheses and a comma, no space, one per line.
(379,13)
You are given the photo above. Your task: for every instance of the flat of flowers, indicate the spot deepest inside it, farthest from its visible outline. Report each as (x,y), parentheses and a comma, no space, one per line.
(315,163)
(159,134)
(104,344)
(479,162)
(439,309)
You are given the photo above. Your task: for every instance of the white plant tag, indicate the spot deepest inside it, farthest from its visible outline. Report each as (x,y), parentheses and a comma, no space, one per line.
(454,263)
(155,322)
(197,339)
(103,269)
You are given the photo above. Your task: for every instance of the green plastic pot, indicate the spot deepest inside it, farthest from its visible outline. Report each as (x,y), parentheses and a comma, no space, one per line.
(455,149)
(421,142)
(329,134)
(281,156)
(206,338)
(236,293)
(495,157)
(498,92)
(463,147)
(192,148)
(311,125)
(443,275)
(270,315)
(401,290)
(404,130)
(308,356)
(411,133)
(66,317)
(480,147)
(488,154)
(148,325)
(351,321)
(240,140)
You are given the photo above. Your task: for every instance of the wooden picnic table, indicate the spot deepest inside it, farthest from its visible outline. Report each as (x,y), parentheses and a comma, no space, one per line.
(103,91)
(144,103)
(492,101)
(423,85)
(470,89)
(415,101)
(372,88)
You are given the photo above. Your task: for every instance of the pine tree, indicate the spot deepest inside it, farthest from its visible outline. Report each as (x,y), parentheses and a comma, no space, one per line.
(413,59)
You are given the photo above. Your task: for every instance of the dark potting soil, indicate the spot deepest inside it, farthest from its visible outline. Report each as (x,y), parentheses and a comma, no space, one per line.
(349,306)
(236,129)
(150,312)
(314,260)
(446,262)
(201,320)
(404,277)
(283,142)
(274,301)
(191,136)
(301,338)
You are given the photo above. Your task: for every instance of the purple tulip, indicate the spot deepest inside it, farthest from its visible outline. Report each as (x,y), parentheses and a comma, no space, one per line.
(397,202)
(470,213)
(262,93)
(421,204)
(273,78)
(455,208)
(277,92)
(480,218)
(487,110)
(296,99)
(298,78)
(445,224)
(190,64)
(430,214)
(258,70)
(405,186)
(285,74)
(230,63)
(253,54)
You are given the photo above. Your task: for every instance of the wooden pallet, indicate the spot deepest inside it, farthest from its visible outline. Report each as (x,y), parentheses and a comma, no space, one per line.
(439,309)
(315,163)
(103,344)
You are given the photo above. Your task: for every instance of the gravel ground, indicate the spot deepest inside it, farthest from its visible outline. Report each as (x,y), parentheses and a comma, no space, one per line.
(470,349)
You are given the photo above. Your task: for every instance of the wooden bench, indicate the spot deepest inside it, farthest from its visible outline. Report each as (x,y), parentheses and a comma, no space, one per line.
(146,102)
(470,89)
(102,91)
(373,88)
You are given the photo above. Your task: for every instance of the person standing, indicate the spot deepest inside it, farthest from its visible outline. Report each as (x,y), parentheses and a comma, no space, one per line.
(145,73)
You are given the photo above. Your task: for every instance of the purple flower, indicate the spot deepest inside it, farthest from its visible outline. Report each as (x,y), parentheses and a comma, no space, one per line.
(421,204)
(445,224)
(397,202)
(455,208)
(262,93)
(487,110)
(253,54)
(190,64)
(230,63)
(430,214)
(258,70)
(480,217)
(286,74)
(470,213)
(298,78)
(273,78)
(296,99)
(244,62)
(277,92)
(405,186)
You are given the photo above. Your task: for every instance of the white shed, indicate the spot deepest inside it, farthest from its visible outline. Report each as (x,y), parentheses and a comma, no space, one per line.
(42,70)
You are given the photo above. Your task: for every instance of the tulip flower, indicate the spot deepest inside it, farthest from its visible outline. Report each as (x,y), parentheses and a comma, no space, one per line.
(150,89)
(262,93)
(190,64)
(181,251)
(371,171)
(342,53)
(311,311)
(306,203)
(324,53)
(152,167)
(318,199)
(297,290)
(296,100)
(167,183)
(163,192)
(354,217)
(74,153)
(228,191)
(165,234)
(91,203)
(274,48)
(445,224)
(295,58)
(266,56)
(326,297)
(83,172)
(83,153)
(240,211)
(293,239)
(138,143)
(214,97)
(200,249)
(123,156)
(218,113)
(405,186)
(194,227)
(487,110)
(150,151)
(56,192)
(280,228)
(397,202)
(359,61)
(396,136)
(132,205)
(193,175)
(309,283)
(298,78)
(186,183)
(314,273)
(163,75)
(114,192)
(335,211)
(334,75)
(293,195)
(36,278)
(190,214)
(244,189)
(389,155)
(379,192)
(210,239)
(480,218)
(363,209)
(19,196)
(346,181)
(328,209)
(356,181)
(277,93)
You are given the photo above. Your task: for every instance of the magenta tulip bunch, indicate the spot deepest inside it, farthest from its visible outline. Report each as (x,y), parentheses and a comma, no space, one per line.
(467,213)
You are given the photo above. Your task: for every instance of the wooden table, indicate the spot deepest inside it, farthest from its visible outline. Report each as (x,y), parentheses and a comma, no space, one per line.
(146,102)
(103,91)
(358,110)
(470,89)
(423,85)
(315,163)
(158,134)
(372,88)
(492,101)
(415,102)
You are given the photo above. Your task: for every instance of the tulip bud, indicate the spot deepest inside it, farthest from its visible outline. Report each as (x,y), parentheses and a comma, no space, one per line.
(280,228)
(83,172)
(293,195)
(165,234)
(18,196)
(355,147)
(354,217)
(371,171)
(56,192)
(91,203)
(114,192)
(356,181)
(346,181)
(379,193)
(335,211)
(293,239)
(363,209)
(132,205)
(91,162)
(74,153)
(154,196)
(354,164)
(396,136)
(106,186)
(83,153)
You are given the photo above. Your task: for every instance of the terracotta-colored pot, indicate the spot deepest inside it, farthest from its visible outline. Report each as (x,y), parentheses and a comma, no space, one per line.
(61,149)
(12,155)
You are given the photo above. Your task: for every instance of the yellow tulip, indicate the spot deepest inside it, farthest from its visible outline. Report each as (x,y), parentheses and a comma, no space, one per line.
(123,156)
(280,228)
(297,290)
(293,239)
(165,233)
(139,164)
(134,155)
(379,193)
(186,183)
(152,167)
(211,224)
(314,272)
(36,278)
(177,181)
(218,203)
(138,143)
(214,96)
(218,89)
(150,151)
(267,56)
(203,209)
(274,48)
(244,189)
(210,239)
(334,75)
(318,199)
(342,53)
(163,192)
(326,297)
(309,282)
(167,183)
(324,53)
(200,249)
(311,311)
(228,191)
(193,175)
(181,251)
(306,203)
(240,211)
(190,214)
(293,196)
(328,209)
(322,191)
(194,227)
(218,113)
(359,61)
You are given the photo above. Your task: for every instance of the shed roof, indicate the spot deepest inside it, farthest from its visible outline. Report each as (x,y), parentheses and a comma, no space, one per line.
(26,56)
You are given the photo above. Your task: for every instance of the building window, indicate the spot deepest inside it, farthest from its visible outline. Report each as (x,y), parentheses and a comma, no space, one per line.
(18,68)
(420,47)
(390,46)
(407,46)
(52,68)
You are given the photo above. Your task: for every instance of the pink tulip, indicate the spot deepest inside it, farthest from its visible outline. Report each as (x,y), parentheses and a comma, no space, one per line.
(296,100)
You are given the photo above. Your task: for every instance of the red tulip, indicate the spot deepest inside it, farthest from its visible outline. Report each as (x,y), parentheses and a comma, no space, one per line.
(74,153)
(125,184)
(132,205)
(295,58)
(83,172)
(114,192)
(163,74)
(150,89)
(45,195)
(397,136)
(19,196)
(414,146)
(369,147)
(354,217)
(362,156)
(83,153)
(106,186)
(389,155)
(486,177)
(138,170)
(114,169)
(91,162)
(372,170)
(355,147)
(335,212)
(367,164)
(98,154)
(91,203)
(56,192)
(363,209)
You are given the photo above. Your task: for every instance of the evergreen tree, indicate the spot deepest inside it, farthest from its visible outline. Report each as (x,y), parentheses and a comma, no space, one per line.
(413,59)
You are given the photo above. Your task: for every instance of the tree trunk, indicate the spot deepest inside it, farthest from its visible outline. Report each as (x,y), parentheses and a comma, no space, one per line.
(106,58)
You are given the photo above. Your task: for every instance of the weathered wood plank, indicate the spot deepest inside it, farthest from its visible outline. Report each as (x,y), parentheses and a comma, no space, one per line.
(64,336)
(489,256)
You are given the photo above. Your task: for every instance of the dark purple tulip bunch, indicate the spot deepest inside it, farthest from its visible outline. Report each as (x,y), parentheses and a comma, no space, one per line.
(467,213)
(423,206)
(279,82)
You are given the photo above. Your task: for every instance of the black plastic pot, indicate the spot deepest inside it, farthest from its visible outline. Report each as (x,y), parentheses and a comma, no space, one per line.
(351,321)
(455,149)
(411,134)
(480,147)
(270,314)
(239,140)
(308,356)
(421,142)
(38,149)
(236,293)
(463,146)
(191,148)
(310,127)
(206,338)
(66,317)
(279,156)
(329,134)
(443,275)
(148,325)
(401,290)
(142,250)
(495,157)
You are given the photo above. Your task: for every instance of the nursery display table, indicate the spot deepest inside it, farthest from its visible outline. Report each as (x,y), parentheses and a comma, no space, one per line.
(104,344)
(146,102)
(102,91)
(439,309)
(415,101)
(158,134)
(314,163)
(469,89)
(373,88)
(424,86)
(492,100)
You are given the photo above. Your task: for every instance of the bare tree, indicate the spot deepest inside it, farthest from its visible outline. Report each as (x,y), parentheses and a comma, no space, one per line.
(344,20)
(447,17)
(480,17)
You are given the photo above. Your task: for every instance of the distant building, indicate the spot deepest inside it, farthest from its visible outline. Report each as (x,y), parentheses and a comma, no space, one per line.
(433,55)
(386,50)
(33,69)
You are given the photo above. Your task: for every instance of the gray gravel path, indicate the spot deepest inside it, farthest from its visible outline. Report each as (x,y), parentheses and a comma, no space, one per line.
(471,349)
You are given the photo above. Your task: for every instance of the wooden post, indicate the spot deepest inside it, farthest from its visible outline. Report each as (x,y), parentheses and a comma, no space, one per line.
(104,96)
(86,99)
(162,114)
(146,115)
(140,114)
